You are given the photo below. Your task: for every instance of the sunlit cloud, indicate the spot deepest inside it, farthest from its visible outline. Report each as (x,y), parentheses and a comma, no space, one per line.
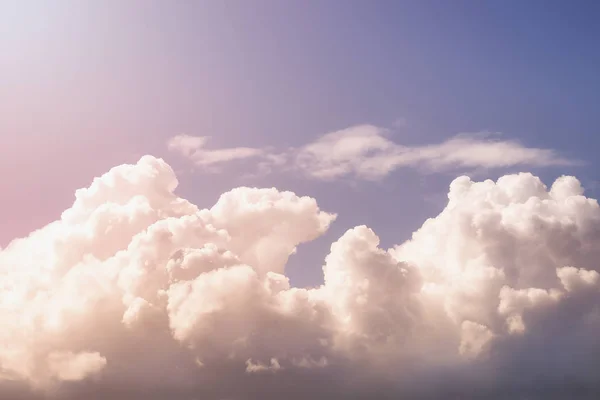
(368,152)
(135,290)
(193,148)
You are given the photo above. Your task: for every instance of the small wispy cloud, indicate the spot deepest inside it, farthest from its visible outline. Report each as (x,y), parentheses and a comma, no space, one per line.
(193,148)
(367,152)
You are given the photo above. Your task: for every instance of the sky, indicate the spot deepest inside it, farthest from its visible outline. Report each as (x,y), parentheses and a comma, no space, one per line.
(359,120)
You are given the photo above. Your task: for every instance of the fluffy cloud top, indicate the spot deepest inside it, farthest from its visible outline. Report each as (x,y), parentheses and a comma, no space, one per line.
(136,293)
(366,152)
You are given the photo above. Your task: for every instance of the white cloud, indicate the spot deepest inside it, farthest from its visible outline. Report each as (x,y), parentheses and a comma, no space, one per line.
(192,147)
(252,367)
(367,152)
(67,366)
(137,288)
(362,151)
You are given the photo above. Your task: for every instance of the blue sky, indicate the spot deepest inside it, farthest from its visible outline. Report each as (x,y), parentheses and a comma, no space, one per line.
(374,109)
(117,79)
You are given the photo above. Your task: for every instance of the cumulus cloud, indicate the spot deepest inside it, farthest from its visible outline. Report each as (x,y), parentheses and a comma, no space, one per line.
(135,292)
(367,152)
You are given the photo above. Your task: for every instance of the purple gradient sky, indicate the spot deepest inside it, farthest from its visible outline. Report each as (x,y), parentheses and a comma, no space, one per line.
(85,86)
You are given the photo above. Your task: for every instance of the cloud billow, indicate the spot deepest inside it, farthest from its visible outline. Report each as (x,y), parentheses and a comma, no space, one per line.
(135,292)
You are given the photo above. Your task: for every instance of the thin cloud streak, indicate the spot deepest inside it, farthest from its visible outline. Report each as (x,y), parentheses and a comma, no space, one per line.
(192,147)
(367,152)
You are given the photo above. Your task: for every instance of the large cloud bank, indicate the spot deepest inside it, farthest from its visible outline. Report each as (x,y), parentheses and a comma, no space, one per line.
(136,293)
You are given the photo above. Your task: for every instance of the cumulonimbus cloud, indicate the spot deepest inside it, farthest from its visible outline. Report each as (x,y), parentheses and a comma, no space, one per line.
(135,292)
(367,152)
